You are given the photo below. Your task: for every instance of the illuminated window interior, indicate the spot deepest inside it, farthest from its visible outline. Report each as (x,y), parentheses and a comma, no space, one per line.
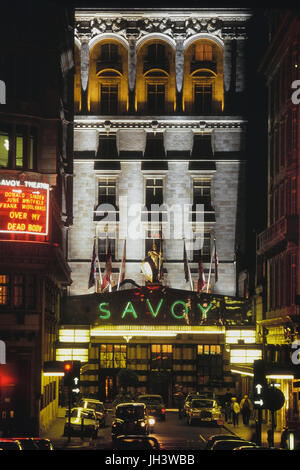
(203,52)
(4,149)
(74,336)
(245,356)
(4,289)
(234,336)
(72,355)
(113,356)
(208,349)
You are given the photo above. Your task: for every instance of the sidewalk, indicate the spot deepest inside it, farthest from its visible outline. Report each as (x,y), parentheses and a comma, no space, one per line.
(245,432)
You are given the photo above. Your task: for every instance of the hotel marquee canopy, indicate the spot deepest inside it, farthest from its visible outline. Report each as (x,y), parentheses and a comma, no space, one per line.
(155,305)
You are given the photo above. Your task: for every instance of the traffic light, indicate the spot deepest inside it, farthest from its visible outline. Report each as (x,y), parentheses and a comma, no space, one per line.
(72,375)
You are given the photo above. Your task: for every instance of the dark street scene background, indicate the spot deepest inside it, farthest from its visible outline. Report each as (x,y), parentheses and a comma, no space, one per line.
(149,226)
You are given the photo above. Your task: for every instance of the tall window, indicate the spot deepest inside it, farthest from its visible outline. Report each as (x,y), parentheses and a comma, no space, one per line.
(4,149)
(154,191)
(202,192)
(161,356)
(109,98)
(203,98)
(107,191)
(156,98)
(105,241)
(19,151)
(4,289)
(113,356)
(18,290)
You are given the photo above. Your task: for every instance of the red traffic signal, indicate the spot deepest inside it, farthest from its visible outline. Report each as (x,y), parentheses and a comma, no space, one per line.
(67,367)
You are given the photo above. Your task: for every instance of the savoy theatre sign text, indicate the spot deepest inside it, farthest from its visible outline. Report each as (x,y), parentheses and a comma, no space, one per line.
(24,207)
(155,305)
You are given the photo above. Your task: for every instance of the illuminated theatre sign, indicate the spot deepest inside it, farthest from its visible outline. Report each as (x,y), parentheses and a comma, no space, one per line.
(156,306)
(24,207)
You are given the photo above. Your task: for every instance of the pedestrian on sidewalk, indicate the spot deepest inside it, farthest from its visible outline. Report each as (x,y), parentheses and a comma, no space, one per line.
(246,409)
(235,409)
(284,438)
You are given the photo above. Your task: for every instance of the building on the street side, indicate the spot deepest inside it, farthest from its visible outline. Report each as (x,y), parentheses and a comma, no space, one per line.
(277,277)
(158,200)
(36,142)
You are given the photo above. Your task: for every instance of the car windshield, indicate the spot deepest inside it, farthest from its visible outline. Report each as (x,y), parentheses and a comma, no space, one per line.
(82,414)
(28,444)
(94,406)
(202,403)
(130,412)
(151,400)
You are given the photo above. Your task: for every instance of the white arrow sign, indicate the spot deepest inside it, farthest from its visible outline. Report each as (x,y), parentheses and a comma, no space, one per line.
(258,388)
(259,402)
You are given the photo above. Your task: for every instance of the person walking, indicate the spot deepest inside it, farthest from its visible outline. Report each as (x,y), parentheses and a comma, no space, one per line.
(246,409)
(235,409)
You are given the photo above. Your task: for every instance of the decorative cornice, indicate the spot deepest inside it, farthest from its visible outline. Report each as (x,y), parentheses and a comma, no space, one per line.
(86,28)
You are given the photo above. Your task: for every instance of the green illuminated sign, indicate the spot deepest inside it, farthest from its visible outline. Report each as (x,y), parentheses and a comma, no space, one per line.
(154,312)
(179,310)
(183,315)
(103,310)
(129,309)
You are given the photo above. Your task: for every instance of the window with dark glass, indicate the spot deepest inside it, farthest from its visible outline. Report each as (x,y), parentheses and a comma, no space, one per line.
(107,191)
(202,98)
(202,192)
(109,52)
(154,191)
(109,98)
(156,98)
(205,249)
(18,290)
(161,356)
(106,241)
(209,363)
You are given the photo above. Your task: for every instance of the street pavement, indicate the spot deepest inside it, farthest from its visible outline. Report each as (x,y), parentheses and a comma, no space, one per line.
(167,434)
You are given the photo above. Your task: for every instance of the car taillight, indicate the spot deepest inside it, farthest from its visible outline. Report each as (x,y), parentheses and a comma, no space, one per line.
(163,410)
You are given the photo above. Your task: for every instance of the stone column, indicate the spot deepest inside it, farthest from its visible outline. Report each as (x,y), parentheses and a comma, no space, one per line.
(179,71)
(227,71)
(240,65)
(84,71)
(131,73)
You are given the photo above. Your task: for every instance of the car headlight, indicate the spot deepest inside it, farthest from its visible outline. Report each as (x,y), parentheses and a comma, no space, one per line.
(142,424)
(151,421)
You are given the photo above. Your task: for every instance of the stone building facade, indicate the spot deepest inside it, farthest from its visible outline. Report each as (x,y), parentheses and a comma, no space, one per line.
(159,118)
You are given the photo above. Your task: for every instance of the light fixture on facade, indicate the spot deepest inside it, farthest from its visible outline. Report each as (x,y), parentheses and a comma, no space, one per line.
(280,376)
(107,126)
(154,125)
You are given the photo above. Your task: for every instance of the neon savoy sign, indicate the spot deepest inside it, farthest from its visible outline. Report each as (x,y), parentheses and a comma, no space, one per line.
(179,310)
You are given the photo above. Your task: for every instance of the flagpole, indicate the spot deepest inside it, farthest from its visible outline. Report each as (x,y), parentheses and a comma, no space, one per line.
(121,265)
(188,266)
(209,275)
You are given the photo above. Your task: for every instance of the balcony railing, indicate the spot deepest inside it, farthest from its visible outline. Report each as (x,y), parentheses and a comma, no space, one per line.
(285,229)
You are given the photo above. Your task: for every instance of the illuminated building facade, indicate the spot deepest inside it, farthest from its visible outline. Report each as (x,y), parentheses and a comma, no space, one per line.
(158,121)
(277,309)
(36,141)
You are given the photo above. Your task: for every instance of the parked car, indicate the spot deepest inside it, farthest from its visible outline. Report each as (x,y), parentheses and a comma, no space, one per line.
(204,410)
(155,405)
(188,400)
(83,421)
(231,444)
(10,444)
(97,406)
(134,442)
(33,443)
(130,418)
(219,437)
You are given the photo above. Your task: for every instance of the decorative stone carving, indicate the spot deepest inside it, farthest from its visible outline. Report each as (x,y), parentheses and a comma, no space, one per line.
(203,25)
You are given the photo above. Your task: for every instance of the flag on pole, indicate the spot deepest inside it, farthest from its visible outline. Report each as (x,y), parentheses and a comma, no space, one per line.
(187,271)
(106,280)
(201,280)
(216,262)
(123,266)
(93,270)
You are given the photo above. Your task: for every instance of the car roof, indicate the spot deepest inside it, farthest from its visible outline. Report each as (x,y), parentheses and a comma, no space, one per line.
(218,437)
(240,441)
(150,395)
(92,400)
(131,404)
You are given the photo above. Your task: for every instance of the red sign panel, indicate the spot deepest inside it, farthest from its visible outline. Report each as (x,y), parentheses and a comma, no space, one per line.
(24,207)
